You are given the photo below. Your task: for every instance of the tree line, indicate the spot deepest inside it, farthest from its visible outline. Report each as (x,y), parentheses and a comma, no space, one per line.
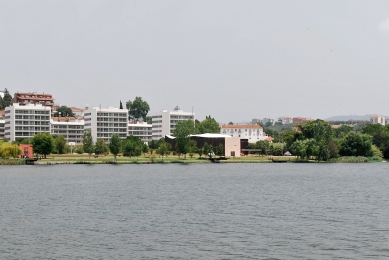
(318,140)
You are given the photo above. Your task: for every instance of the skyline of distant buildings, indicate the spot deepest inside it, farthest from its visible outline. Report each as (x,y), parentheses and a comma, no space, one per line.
(33,113)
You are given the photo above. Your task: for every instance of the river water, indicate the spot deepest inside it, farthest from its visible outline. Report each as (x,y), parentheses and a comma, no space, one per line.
(213,211)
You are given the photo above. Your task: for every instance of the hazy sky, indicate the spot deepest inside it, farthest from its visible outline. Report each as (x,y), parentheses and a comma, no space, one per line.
(234,60)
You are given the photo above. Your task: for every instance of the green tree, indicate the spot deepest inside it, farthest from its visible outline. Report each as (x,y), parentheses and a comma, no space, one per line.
(87,143)
(200,151)
(208,125)
(299,149)
(1,103)
(164,149)
(376,151)
(138,108)
(263,145)
(65,111)
(7,99)
(60,144)
(43,143)
(318,129)
(341,131)
(132,146)
(115,145)
(145,149)
(277,148)
(208,149)
(101,147)
(9,150)
(333,149)
(182,133)
(356,144)
(219,150)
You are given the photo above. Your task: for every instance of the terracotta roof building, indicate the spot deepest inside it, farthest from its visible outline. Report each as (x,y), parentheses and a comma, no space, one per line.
(24,98)
(252,132)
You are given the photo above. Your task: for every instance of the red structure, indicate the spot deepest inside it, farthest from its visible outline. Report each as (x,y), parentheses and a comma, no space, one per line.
(28,152)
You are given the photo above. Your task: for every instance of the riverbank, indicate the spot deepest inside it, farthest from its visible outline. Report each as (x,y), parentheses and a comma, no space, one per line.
(84,159)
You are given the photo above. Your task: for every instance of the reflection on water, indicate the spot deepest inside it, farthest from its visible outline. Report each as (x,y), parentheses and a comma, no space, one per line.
(234,211)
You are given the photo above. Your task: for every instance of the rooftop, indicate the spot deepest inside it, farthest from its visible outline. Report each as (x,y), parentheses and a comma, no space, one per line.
(245,126)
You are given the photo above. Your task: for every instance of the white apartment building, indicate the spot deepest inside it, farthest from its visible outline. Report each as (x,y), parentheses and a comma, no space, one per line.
(71,129)
(142,130)
(2,124)
(104,122)
(26,121)
(377,119)
(253,133)
(165,121)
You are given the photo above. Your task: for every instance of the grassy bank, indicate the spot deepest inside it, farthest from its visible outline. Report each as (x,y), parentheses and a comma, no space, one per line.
(12,162)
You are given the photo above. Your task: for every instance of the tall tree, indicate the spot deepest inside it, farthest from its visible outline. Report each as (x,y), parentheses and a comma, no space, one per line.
(138,108)
(356,144)
(101,147)
(208,125)
(60,144)
(7,99)
(65,111)
(43,143)
(115,145)
(87,142)
(164,149)
(208,149)
(182,134)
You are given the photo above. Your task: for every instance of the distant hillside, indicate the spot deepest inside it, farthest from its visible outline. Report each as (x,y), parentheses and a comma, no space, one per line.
(350,117)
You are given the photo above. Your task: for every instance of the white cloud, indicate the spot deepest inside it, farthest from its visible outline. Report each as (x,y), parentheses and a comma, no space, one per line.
(384,25)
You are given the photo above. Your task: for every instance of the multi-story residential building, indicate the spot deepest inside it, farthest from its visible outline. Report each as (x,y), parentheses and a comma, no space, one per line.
(104,122)
(285,120)
(2,123)
(377,119)
(24,98)
(266,120)
(165,121)
(253,133)
(141,130)
(24,121)
(71,128)
(256,121)
(78,112)
(299,120)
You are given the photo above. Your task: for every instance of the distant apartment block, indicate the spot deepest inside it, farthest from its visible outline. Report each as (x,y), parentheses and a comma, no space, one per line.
(141,130)
(252,132)
(71,128)
(165,121)
(24,121)
(256,121)
(377,119)
(266,120)
(104,122)
(285,120)
(299,120)
(2,123)
(24,98)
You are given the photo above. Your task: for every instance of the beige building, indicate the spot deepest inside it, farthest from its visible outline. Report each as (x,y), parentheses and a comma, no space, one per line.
(377,119)
(252,133)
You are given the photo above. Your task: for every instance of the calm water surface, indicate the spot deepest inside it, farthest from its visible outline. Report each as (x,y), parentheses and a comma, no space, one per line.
(217,211)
